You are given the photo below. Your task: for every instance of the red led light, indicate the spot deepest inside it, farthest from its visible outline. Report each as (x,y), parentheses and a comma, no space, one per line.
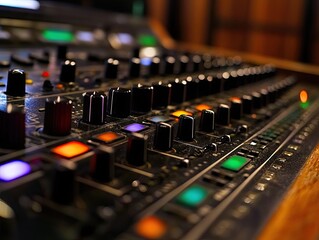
(71,149)
(45,74)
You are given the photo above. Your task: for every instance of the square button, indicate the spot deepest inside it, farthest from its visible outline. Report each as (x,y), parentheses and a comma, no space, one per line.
(192,196)
(158,119)
(134,127)
(181,112)
(235,163)
(71,149)
(14,169)
(108,137)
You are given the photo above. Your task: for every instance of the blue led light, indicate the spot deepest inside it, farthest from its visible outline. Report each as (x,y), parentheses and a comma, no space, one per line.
(14,169)
(135,127)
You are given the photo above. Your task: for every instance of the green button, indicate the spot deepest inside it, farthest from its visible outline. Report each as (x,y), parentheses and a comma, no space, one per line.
(193,196)
(235,163)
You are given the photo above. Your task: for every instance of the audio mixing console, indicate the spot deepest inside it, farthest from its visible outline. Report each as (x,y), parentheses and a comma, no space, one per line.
(107,135)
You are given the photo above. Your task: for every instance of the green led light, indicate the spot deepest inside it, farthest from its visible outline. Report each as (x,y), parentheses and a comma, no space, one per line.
(235,163)
(147,40)
(304,105)
(56,35)
(193,196)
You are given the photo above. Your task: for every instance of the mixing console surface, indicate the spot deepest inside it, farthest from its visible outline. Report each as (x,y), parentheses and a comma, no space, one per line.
(124,146)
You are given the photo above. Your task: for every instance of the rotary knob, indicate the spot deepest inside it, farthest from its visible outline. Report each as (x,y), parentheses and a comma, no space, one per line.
(136,154)
(142,98)
(207,121)
(178,90)
(163,138)
(169,65)
(186,128)
(183,64)
(94,108)
(223,115)
(67,73)
(236,108)
(192,88)
(111,68)
(248,105)
(119,102)
(57,117)
(12,128)
(16,83)
(257,100)
(135,67)
(161,94)
(155,66)
(102,165)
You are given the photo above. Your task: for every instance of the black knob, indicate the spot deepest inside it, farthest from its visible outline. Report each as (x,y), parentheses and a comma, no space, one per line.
(248,105)
(264,97)
(273,94)
(236,108)
(57,117)
(111,68)
(137,149)
(102,164)
(12,128)
(169,65)
(119,102)
(223,114)
(163,138)
(63,183)
(192,88)
(68,69)
(186,128)
(257,100)
(196,63)
(135,67)
(94,107)
(205,85)
(183,64)
(154,69)
(16,83)
(178,91)
(47,86)
(207,121)
(142,98)
(161,94)
(62,52)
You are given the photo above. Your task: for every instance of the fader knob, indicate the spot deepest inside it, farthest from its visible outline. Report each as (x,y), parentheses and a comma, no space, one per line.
(12,128)
(163,138)
(155,66)
(16,83)
(196,63)
(142,98)
(135,67)
(161,94)
(207,121)
(178,90)
(94,107)
(136,154)
(265,97)
(248,105)
(111,68)
(169,65)
(223,114)
(102,164)
(67,73)
(236,108)
(257,100)
(192,88)
(63,183)
(57,117)
(186,128)
(119,102)
(183,64)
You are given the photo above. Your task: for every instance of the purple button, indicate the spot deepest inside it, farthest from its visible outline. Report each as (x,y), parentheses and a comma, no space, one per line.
(134,127)
(14,169)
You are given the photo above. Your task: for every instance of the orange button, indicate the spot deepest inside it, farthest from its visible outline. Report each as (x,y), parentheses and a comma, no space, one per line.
(70,149)
(181,112)
(151,227)
(108,137)
(202,107)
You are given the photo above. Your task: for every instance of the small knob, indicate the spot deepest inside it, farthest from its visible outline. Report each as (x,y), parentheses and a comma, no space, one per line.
(63,183)
(111,68)
(205,85)
(183,64)
(47,86)
(142,98)
(265,97)
(16,83)
(163,138)
(12,128)
(57,117)
(178,91)
(236,108)
(196,65)
(257,100)
(169,65)
(119,102)
(223,114)
(186,128)
(136,154)
(102,165)
(191,88)
(68,71)
(135,67)
(161,94)
(155,66)
(94,108)
(207,121)
(248,105)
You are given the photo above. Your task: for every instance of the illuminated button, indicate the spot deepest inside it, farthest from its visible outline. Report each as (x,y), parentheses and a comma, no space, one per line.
(108,137)
(45,74)
(193,196)
(181,112)
(29,81)
(151,227)
(202,107)
(59,86)
(14,169)
(158,119)
(71,149)
(134,127)
(235,163)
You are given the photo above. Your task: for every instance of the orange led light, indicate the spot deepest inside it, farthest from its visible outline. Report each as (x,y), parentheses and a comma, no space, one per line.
(108,137)
(59,86)
(303,96)
(181,112)
(235,99)
(71,149)
(151,227)
(202,107)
